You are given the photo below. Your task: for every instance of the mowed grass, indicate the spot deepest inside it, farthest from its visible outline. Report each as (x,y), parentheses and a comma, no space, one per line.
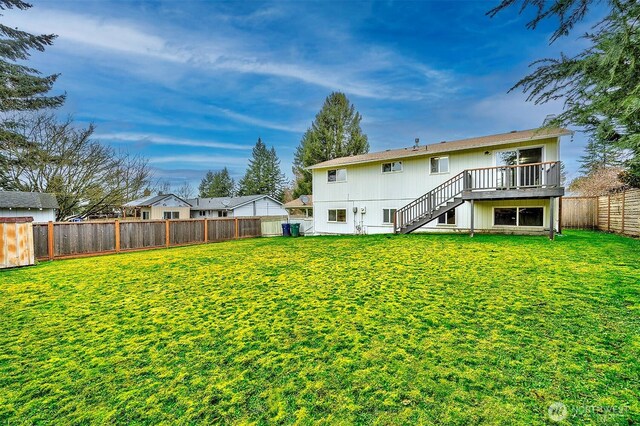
(417,329)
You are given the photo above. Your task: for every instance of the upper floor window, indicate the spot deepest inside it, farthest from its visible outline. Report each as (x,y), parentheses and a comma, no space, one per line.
(337,175)
(395,166)
(440,165)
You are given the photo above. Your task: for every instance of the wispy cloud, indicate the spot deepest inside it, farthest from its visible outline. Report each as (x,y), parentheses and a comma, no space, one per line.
(230,55)
(242,118)
(165,140)
(212,160)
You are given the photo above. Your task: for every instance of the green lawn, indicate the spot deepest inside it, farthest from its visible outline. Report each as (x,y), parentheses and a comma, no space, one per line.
(431,329)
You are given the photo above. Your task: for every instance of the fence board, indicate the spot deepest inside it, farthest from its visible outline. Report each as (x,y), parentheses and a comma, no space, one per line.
(139,235)
(579,213)
(186,231)
(40,240)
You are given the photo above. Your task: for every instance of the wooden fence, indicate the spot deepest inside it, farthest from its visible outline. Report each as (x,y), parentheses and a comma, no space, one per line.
(68,239)
(619,213)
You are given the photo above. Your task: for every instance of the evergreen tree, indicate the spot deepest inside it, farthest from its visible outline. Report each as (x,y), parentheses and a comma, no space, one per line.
(217,184)
(600,154)
(334,133)
(263,176)
(599,85)
(22,88)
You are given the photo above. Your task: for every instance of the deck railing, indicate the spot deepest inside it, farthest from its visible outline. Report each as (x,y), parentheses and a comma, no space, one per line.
(518,177)
(523,176)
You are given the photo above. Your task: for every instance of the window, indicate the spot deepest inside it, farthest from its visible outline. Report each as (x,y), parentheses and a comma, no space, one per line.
(202,213)
(530,216)
(171,215)
(518,216)
(145,215)
(337,175)
(222,213)
(388,215)
(395,166)
(440,165)
(448,218)
(338,215)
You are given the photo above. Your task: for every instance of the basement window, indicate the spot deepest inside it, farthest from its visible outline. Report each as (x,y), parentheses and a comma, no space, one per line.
(388,215)
(448,218)
(337,175)
(395,166)
(338,215)
(518,216)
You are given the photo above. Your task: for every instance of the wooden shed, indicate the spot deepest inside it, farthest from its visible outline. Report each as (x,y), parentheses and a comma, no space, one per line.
(16,242)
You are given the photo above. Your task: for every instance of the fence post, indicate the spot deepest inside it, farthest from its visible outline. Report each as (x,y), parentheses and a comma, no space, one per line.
(117,233)
(623,197)
(206,230)
(237,233)
(609,213)
(50,240)
(167,237)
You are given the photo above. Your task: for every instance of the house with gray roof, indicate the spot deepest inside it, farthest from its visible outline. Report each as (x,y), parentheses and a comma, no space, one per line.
(154,207)
(42,207)
(243,206)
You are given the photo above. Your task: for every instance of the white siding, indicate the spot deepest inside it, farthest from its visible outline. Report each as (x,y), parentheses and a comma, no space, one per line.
(262,207)
(44,215)
(367,187)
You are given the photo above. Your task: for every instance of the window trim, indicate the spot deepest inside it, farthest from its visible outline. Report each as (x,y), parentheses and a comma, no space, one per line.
(439,172)
(392,171)
(336,210)
(391,216)
(517,225)
(336,170)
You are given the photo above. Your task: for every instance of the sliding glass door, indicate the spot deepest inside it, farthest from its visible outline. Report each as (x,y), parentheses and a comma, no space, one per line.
(513,177)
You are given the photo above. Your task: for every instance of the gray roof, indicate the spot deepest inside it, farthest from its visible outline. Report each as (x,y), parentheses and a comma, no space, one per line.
(224,203)
(444,146)
(150,200)
(27,200)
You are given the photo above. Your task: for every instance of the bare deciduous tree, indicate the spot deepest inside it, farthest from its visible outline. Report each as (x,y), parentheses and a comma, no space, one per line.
(86,176)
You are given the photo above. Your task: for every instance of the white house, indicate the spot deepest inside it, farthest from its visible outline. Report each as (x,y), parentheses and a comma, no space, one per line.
(41,207)
(164,206)
(244,206)
(500,183)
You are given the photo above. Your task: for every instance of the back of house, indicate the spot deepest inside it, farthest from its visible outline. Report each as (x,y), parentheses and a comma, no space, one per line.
(500,183)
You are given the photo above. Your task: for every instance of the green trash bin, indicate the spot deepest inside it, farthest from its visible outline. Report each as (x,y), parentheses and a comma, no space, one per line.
(295,229)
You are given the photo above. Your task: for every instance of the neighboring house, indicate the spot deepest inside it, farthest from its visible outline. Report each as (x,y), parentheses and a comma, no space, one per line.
(244,206)
(303,204)
(501,183)
(166,206)
(40,206)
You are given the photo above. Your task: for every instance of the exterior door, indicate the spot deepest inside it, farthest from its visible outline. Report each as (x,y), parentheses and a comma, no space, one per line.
(510,177)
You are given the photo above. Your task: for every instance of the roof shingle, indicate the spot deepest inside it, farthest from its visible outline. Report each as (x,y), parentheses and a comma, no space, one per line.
(27,200)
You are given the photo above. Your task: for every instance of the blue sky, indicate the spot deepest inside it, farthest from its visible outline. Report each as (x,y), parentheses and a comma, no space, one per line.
(191,85)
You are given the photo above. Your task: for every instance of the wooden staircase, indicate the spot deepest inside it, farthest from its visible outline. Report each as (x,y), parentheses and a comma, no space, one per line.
(429,206)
